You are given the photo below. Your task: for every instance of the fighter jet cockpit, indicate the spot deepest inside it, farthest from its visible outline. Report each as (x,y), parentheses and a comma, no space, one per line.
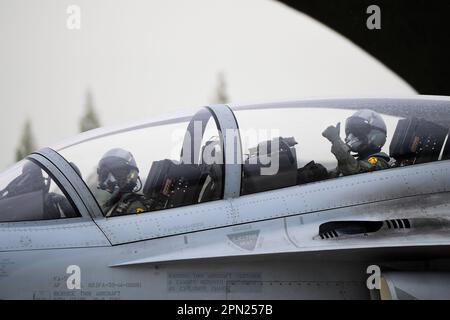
(28,193)
(153,168)
(327,143)
(183,161)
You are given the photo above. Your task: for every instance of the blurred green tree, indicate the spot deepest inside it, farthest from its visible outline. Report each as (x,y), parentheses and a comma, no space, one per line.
(221,94)
(90,119)
(27,144)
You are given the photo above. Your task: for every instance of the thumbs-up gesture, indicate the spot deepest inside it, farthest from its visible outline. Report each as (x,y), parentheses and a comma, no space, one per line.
(332,132)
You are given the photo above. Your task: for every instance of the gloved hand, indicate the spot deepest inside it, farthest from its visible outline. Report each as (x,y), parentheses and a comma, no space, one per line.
(332,132)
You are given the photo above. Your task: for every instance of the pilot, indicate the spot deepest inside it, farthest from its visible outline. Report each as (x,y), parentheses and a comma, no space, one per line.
(118,174)
(365,135)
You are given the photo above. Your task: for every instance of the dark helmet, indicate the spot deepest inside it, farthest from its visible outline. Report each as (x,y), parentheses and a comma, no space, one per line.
(117,171)
(365,131)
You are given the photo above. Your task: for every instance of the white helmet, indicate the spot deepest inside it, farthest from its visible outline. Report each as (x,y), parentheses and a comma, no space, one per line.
(365,131)
(117,171)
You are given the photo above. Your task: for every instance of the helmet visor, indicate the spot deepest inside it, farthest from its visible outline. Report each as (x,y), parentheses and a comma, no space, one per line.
(357,126)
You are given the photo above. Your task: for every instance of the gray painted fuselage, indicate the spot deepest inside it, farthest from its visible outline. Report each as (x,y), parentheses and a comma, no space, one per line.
(259,246)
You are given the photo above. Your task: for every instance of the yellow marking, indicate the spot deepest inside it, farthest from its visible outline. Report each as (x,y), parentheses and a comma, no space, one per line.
(372,160)
(139,210)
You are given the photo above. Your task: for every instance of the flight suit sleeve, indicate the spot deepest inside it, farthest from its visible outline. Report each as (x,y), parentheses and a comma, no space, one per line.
(348,165)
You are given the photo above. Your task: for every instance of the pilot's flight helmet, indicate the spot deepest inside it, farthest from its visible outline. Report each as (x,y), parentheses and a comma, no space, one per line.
(117,171)
(365,131)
